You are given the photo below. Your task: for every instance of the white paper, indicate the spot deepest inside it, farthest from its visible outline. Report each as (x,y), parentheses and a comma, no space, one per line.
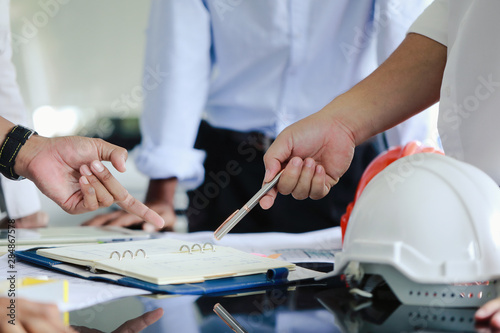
(82,293)
(313,246)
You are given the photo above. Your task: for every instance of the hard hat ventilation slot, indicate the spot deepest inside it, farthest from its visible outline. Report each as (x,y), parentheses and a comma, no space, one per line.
(428,294)
(417,296)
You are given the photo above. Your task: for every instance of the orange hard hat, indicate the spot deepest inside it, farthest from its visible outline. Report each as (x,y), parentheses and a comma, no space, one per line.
(377,165)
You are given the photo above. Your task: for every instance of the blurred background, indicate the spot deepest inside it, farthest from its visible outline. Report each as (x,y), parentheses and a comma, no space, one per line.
(79,67)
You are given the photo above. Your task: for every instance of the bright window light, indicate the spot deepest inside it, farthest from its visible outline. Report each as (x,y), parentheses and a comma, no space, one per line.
(50,121)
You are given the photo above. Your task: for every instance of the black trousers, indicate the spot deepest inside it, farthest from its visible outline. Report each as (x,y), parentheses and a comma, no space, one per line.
(234,171)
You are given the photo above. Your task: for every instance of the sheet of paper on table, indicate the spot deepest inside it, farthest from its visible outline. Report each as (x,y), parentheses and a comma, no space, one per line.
(313,246)
(82,293)
(72,234)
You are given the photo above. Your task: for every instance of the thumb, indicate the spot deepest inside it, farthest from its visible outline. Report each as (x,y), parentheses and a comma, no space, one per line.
(115,154)
(277,154)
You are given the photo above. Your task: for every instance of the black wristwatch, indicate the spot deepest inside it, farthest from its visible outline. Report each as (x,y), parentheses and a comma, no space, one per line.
(16,138)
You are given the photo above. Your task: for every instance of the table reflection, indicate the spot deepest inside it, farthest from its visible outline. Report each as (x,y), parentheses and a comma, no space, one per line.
(304,309)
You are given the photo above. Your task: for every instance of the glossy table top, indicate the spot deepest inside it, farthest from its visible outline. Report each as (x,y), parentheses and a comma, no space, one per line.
(299,309)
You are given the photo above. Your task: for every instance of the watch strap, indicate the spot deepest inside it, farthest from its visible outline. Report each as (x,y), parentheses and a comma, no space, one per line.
(9,149)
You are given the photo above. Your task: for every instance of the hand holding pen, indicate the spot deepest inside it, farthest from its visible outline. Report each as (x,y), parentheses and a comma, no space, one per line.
(316,154)
(316,150)
(295,163)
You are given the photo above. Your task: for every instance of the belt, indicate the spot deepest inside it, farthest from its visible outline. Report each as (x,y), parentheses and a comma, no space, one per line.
(257,140)
(254,139)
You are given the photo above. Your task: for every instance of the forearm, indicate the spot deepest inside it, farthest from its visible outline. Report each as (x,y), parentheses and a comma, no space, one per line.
(407,83)
(162,190)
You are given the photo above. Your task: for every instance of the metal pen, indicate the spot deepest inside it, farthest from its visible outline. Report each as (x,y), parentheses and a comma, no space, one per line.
(228,319)
(236,217)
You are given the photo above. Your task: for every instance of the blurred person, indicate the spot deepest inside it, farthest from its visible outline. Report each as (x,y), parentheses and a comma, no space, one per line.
(249,69)
(18,201)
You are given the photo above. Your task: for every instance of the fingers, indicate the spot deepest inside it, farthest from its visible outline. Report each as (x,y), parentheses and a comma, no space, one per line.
(124,219)
(134,206)
(290,177)
(140,323)
(304,182)
(116,155)
(118,218)
(96,192)
(39,317)
(320,186)
(298,179)
(108,190)
(277,154)
(301,179)
(39,219)
(89,197)
(490,312)
(103,219)
(267,201)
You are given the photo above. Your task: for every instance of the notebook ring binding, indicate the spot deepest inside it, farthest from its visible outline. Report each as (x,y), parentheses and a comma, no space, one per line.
(193,248)
(141,250)
(118,253)
(185,246)
(196,245)
(128,251)
(132,255)
(209,244)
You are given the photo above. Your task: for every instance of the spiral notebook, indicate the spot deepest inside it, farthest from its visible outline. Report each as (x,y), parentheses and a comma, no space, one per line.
(165,261)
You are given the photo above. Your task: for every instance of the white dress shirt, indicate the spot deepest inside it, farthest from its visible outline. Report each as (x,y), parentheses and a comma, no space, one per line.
(258,66)
(469,114)
(21,197)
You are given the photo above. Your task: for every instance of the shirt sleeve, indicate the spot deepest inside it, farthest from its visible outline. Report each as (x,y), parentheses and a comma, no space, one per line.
(21,197)
(433,22)
(175,83)
(392,18)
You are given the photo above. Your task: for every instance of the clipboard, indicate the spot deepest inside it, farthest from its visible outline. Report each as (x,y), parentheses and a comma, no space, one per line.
(273,277)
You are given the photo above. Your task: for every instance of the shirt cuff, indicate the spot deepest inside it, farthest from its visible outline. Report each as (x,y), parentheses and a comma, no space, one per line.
(21,198)
(433,22)
(167,162)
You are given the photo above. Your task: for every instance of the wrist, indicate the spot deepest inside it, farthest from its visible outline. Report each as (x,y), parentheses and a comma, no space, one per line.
(354,116)
(162,190)
(26,155)
(10,148)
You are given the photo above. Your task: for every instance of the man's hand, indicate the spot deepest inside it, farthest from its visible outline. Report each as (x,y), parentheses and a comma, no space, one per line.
(131,326)
(69,171)
(159,198)
(123,219)
(314,152)
(32,317)
(488,315)
(39,219)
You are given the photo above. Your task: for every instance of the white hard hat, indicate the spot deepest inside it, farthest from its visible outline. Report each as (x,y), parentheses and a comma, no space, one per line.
(425,223)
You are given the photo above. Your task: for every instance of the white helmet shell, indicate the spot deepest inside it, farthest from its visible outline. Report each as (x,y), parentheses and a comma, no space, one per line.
(433,218)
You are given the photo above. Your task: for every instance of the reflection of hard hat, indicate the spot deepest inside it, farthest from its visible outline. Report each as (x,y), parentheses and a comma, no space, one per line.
(430,220)
(377,165)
